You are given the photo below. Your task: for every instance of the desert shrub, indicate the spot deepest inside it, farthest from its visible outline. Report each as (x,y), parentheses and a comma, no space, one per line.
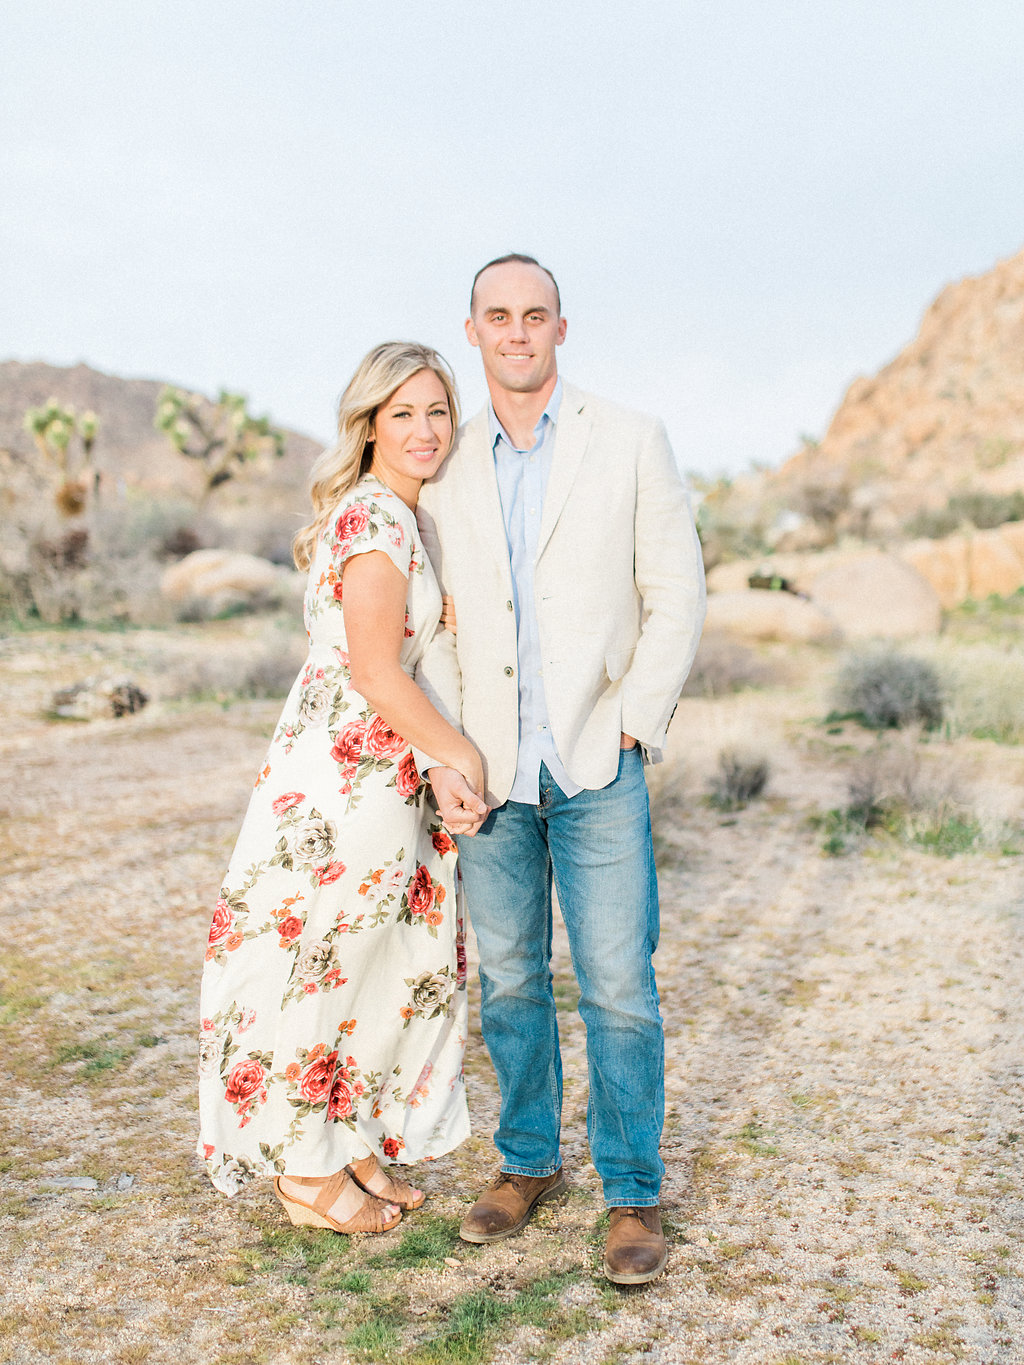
(265,670)
(731,521)
(890,791)
(985,694)
(888,690)
(182,541)
(723,666)
(741,777)
(141,524)
(978,508)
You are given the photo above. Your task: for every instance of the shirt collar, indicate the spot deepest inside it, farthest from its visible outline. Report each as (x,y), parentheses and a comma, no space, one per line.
(550,414)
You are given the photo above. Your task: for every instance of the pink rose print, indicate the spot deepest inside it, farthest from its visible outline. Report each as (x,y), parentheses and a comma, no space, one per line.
(443,842)
(331,873)
(246,1020)
(460,960)
(382,741)
(407,780)
(244,1081)
(421,892)
(286,802)
(339,1105)
(315,1081)
(350,524)
(348,746)
(290,928)
(221,926)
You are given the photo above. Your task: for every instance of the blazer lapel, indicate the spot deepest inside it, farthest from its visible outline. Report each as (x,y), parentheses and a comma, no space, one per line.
(571,438)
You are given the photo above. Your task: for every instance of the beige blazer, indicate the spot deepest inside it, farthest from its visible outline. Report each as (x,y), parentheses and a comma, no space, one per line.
(619,588)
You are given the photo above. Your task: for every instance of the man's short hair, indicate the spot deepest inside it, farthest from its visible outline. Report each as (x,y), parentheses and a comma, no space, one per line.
(519,259)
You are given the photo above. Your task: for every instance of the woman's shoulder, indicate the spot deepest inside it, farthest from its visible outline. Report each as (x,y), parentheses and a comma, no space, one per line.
(366,511)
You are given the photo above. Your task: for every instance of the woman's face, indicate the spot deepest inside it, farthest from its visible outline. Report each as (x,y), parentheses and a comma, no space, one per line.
(412,434)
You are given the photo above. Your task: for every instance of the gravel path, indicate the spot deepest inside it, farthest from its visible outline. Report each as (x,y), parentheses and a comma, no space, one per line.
(844,1140)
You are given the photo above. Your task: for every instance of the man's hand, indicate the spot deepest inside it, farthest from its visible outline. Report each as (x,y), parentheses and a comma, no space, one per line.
(627,741)
(460,808)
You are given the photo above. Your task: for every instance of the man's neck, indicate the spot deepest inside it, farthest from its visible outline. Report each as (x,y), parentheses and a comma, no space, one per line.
(519,413)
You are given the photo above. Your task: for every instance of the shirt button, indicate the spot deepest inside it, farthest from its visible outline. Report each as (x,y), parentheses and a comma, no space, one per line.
(533,511)
(509,670)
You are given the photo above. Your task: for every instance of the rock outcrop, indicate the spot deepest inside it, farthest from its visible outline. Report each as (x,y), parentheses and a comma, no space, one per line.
(878,597)
(945,416)
(220,579)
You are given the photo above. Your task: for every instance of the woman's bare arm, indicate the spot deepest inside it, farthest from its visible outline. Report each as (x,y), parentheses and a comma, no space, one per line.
(374,594)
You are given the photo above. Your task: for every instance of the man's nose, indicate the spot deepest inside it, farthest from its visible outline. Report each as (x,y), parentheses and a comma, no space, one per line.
(517,330)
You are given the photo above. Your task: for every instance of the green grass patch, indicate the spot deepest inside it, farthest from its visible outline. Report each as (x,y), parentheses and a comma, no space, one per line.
(751,1139)
(428,1243)
(474,1320)
(99,1055)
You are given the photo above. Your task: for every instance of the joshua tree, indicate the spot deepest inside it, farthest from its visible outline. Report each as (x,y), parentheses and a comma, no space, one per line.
(221,436)
(53,429)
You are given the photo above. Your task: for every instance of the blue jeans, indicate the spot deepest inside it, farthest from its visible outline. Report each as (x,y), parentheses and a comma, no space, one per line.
(598,846)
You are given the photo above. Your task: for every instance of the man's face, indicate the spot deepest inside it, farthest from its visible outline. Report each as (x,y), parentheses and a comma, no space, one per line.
(515,324)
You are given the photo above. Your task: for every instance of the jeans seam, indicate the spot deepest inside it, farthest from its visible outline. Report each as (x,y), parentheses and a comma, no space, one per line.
(506,1169)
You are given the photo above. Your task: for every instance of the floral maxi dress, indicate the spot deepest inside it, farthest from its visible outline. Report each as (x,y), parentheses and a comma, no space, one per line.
(333,997)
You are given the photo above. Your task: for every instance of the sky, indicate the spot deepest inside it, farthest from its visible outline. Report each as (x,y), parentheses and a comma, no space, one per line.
(746,205)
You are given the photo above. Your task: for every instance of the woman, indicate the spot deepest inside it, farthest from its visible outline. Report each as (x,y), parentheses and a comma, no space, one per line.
(333,1001)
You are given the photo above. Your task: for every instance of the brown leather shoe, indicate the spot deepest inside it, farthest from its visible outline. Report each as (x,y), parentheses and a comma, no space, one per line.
(635,1251)
(505,1206)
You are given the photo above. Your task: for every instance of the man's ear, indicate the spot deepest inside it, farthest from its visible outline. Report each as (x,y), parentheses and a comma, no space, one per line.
(562,324)
(474,340)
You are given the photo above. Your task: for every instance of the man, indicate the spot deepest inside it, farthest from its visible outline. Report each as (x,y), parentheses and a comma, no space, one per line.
(562,531)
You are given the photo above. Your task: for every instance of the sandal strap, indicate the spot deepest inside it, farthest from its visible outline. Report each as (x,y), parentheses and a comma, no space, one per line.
(329,1191)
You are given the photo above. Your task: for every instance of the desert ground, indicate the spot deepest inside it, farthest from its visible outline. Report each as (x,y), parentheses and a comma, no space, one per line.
(844,1138)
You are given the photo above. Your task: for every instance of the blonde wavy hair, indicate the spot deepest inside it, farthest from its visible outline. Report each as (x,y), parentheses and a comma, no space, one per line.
(337,469)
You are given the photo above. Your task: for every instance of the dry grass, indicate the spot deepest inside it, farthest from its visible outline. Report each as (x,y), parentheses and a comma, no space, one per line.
(843,1140)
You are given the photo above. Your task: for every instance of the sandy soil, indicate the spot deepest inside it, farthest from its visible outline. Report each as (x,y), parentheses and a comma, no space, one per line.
(844,1137)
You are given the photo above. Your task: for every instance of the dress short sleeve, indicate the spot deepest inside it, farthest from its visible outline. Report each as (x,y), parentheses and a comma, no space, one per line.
(372,520)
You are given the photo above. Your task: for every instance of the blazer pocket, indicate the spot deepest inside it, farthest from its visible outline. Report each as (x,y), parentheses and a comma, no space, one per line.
(616,665)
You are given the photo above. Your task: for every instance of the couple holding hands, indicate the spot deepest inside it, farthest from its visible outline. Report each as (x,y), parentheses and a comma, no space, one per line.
(334,1014)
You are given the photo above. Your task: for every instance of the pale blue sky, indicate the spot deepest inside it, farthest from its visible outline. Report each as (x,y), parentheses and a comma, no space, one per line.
(746,204)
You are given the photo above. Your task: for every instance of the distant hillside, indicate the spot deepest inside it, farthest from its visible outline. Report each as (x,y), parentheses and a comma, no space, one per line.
(131,454)
(946,417)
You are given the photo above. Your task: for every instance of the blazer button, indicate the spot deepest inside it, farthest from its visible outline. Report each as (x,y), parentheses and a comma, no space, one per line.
(508,606)
(509,670)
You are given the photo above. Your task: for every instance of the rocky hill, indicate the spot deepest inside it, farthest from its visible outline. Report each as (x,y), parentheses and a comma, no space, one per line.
(944,420)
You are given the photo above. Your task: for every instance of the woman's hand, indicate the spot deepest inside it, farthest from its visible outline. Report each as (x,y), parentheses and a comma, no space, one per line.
(448,614)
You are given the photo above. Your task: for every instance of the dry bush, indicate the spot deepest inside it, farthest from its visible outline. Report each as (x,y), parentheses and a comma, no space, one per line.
(985,694)
(978,508)
(887,690)
(266,669)
(891,790)
(741,777)
(723,666)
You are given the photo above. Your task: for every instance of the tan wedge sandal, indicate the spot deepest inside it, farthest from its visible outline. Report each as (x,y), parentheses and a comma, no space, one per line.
(371,1217)
(377,1180)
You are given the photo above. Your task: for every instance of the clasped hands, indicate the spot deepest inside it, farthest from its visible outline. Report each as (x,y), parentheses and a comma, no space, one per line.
(461,809)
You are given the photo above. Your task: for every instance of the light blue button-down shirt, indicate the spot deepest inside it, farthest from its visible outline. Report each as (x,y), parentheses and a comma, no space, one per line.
(522,483)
